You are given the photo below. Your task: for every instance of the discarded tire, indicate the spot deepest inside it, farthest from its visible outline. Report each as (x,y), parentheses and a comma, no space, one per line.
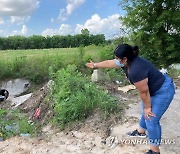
(4,94)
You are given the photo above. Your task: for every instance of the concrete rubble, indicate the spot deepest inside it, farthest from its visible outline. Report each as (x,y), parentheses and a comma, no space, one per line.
(16,88)
(99,75)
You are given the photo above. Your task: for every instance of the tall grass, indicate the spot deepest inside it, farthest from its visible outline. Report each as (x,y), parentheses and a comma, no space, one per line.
(34,69)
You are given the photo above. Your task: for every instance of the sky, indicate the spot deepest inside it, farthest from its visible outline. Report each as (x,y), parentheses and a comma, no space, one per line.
(59,17)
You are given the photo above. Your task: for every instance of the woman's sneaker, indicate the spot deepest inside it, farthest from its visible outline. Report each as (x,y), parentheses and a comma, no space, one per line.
(135,133)
(152,152)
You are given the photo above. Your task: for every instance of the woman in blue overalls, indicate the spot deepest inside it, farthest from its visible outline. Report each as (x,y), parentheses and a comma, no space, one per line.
(155,90)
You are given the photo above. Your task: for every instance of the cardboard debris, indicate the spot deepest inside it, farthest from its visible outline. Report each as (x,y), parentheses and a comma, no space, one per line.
(125,89)
(17,101)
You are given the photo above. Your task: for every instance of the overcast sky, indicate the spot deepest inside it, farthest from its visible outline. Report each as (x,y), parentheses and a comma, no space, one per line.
(51,17)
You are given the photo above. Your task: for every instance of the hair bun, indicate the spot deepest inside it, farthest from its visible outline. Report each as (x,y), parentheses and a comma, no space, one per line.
(136,48)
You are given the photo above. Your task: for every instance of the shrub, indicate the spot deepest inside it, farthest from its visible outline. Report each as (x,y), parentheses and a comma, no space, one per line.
(75,97)
(106,53)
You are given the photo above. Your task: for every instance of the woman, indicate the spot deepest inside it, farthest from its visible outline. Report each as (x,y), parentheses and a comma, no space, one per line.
(155,90)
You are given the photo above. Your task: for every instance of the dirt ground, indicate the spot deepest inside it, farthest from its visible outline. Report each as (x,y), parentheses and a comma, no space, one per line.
(90,137)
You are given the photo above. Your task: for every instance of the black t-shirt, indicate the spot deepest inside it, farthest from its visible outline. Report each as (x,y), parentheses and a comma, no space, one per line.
(140,69)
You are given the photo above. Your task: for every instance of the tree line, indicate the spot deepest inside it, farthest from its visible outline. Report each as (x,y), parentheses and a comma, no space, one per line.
(56,41)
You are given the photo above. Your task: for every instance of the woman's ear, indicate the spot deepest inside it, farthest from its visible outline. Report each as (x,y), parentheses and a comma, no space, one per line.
(125,59)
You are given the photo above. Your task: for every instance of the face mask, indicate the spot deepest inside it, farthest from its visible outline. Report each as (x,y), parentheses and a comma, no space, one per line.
(118,63)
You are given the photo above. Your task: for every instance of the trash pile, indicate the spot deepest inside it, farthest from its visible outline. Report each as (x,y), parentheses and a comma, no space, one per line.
(38,107)
(15,90)
(16,105)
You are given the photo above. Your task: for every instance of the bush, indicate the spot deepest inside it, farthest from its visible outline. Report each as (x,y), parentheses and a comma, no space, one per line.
(107,53)
(76,98)
(81,59)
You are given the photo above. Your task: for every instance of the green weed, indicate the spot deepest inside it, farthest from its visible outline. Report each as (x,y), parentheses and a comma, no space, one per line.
(13,122)
(76,97)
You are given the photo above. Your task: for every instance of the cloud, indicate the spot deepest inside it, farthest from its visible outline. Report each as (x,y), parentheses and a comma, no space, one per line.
(96,25)
(109,26)
(71,6)
(49,32)
(63,15)
(19,20)
(17,11)
(18,7)
(64,29)
(23,31)
(1,32)
(2,21)
(52,20)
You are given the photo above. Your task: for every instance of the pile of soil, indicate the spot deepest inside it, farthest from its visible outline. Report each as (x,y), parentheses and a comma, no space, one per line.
(38,108)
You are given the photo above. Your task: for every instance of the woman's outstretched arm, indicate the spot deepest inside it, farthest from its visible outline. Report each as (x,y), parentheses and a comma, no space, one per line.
(103,64)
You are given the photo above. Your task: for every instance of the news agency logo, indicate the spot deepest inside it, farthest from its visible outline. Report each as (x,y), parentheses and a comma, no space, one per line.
(147,141)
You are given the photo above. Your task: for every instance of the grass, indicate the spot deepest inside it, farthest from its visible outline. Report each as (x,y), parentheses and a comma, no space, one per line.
(9,55)
(34,64)
(14,122)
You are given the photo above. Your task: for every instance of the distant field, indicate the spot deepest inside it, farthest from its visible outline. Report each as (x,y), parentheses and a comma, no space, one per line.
(68,53)
(34,64)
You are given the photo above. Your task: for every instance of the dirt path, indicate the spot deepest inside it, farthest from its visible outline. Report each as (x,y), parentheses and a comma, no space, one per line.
(86,141)
(75,142)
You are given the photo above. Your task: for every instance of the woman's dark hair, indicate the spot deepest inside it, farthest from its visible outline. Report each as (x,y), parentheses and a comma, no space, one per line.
(125,50)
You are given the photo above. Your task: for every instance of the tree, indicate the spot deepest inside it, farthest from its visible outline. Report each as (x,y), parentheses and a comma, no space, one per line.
(85,31)
(2,43)
(155,26)
(37,42)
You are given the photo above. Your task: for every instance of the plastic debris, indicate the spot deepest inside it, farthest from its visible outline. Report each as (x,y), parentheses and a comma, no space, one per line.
(99,75)
(37,113)
(1,139)
(2,98)
(125,89)
(164,71)
(175,66)
(118,82)
(25,135)
(8,128)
